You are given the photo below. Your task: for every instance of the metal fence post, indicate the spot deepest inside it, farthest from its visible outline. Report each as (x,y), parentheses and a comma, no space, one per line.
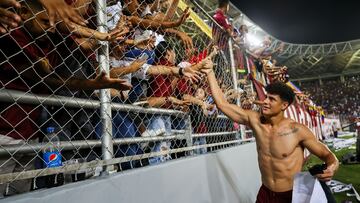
(233,68)
(105,99)
(188,133)
(235,81)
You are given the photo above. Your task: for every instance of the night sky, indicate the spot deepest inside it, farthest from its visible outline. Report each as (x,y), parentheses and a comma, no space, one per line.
(305,21)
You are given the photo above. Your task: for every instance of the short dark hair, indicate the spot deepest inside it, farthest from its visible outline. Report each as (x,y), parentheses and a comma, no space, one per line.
(223,3)
(160,50)
(284,91)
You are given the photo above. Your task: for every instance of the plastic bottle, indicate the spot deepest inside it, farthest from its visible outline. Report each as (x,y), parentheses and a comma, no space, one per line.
(52,157)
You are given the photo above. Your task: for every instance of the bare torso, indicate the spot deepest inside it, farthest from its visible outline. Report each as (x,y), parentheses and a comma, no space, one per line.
(280,155)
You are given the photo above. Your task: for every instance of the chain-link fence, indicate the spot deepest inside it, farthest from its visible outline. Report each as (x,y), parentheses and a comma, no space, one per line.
(121,92)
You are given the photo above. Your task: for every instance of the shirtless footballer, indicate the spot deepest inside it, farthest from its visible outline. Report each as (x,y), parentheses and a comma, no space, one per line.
(280,141)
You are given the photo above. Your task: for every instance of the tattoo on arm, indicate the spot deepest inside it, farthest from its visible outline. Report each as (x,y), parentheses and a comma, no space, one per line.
(290,132)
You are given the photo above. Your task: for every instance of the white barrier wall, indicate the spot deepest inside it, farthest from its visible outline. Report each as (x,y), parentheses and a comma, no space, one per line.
(231,175)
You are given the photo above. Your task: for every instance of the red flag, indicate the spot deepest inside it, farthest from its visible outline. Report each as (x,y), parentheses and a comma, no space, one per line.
(260,90)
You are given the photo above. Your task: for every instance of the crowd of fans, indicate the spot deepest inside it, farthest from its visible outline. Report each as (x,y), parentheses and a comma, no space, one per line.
(339,98)
(50,48)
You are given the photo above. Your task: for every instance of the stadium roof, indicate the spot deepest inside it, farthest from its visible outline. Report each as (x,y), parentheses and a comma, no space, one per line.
(305,21)
(321,37)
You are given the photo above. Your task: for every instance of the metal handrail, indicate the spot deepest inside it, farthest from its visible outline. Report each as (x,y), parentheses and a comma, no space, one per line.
(7,95)
(80,144)
(84,144)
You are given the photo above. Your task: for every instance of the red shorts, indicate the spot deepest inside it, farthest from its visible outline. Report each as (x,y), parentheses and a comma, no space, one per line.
(265,195)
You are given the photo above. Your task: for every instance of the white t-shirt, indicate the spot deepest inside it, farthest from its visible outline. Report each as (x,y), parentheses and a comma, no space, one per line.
(114,13)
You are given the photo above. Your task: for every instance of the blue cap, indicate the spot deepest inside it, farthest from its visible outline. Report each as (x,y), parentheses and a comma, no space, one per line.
(50,129)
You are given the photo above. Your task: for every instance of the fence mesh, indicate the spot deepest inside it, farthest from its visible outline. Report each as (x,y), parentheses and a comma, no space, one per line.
(121,92)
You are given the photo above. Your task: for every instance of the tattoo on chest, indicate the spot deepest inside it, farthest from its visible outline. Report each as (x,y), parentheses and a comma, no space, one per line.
(292,130)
